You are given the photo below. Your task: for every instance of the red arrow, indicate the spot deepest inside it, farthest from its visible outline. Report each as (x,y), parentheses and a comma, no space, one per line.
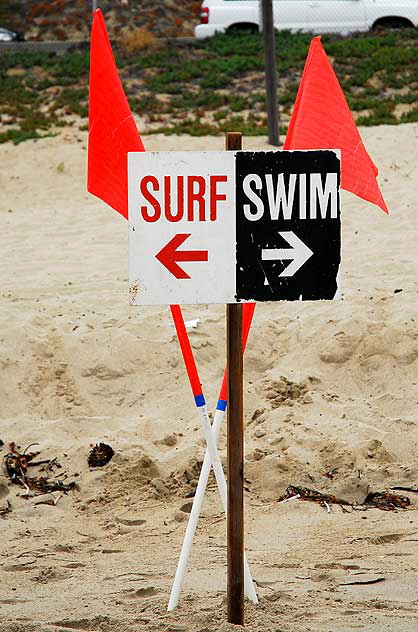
(169,255)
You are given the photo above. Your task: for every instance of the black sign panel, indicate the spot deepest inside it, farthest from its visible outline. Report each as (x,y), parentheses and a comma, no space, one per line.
(288,225)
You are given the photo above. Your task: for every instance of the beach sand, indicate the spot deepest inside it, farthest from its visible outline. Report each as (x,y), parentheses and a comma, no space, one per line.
(330,387)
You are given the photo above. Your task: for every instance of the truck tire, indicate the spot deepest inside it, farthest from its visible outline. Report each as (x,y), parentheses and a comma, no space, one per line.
(392,22)
(243,27)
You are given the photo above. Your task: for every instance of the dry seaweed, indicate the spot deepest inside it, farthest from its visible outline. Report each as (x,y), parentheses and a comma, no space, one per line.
(386,501)
(44,485)
(16,466)
(380,500)
(304,493)
(100,455)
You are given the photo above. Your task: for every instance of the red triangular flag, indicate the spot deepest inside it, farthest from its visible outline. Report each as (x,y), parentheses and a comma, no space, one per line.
(112,129)
(321,119)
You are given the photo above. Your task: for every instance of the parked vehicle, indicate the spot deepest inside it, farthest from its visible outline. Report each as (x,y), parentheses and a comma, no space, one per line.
(9,36)
(318,16)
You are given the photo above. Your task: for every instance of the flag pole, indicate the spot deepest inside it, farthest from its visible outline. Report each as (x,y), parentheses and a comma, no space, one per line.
(267,22)
(235,442)
(205,471)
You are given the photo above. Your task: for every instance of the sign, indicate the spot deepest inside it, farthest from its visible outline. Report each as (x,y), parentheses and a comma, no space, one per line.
(226,227)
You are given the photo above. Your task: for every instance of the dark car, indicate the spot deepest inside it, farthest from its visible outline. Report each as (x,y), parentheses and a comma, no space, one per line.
(9,36)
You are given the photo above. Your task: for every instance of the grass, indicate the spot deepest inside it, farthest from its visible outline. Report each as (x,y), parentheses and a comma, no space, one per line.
(212,86)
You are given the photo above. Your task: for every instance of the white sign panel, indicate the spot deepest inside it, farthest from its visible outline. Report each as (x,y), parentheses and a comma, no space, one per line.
(224,227)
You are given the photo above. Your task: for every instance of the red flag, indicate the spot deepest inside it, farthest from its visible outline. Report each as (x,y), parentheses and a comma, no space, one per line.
(321,119)
(112,129)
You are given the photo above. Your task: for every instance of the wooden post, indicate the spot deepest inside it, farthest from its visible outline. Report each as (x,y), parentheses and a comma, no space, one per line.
(235,413)
(270,70)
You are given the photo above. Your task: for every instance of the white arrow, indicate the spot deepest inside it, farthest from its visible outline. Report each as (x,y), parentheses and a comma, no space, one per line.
(299,253)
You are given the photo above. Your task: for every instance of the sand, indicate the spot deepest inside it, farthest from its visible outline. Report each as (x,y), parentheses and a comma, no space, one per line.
(329,387)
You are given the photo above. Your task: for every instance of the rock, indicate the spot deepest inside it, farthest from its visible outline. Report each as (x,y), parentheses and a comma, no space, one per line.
(256,455)
(130,520)
(257,414)
(179,516)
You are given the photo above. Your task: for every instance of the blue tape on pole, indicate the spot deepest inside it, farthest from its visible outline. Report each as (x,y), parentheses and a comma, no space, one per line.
(221,405)
(200,400)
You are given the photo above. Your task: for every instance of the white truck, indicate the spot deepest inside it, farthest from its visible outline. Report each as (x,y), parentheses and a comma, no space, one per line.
(317,16)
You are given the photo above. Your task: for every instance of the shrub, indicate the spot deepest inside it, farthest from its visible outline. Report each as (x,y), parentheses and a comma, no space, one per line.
(134,40)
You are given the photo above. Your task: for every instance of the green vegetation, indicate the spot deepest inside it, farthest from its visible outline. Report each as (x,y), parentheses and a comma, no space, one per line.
(212,86)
